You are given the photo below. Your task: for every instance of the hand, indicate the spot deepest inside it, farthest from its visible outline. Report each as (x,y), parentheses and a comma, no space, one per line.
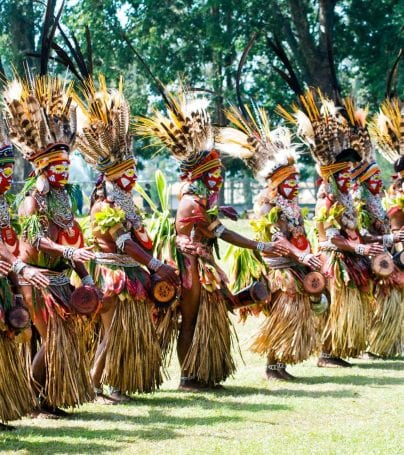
(399,236)
(168,273)
(35,277)
(5,268)
(277,248)
(83,255)
(312,261)
(373,249)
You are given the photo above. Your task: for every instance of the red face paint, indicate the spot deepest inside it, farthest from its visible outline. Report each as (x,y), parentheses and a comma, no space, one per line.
(375,183)
(127,180)
(289,188)
(6,177)
(213,179)
(343,179)
(58,173)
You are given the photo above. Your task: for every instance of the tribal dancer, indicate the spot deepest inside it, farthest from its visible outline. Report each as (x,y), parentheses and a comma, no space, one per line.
(42,123)
(288,335)
(388,131)
(128,357)
(344,255)
(16,396)
(205,338)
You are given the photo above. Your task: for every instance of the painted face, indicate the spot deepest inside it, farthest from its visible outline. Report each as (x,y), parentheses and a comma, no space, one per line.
(58,173)
(6,177)
(375,183)
(213,179)
(289,188)
(343,180)
(127,180)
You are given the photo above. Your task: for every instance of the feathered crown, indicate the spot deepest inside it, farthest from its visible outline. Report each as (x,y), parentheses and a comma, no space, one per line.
(387,128)
(268,153)
(360,141)
(6,148)
(41,118)
(186,131)
(325,130)
(104,138)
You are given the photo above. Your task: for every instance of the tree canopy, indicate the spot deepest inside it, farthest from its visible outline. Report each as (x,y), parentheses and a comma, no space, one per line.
(351,44)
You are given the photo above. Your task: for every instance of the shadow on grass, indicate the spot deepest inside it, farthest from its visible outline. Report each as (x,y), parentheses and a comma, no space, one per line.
(296,393)
(353,380)
(382,365)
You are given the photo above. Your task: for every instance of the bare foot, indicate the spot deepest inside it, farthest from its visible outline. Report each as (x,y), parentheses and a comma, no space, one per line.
(4,427)
(120,398)
(273,373)
(192,385)
(332,362)
(285,375)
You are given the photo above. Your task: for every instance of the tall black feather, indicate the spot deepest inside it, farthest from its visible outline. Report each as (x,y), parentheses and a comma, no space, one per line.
(243,59)
(392,75)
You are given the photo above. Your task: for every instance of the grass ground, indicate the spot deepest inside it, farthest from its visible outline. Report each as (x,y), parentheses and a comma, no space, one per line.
(350,411)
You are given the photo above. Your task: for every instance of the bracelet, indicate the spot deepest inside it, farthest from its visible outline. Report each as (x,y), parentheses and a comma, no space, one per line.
(331,233)
(68,253)
(302,257)
(260,246)
(218,231)
(360,249)
(363,232)
(154,264)
(121,240)
(388,240)
(17,266)
(87,281)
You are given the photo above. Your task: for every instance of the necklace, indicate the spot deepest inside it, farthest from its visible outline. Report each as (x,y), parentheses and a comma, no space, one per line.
(124,200)
(59,208)
(4,212)
(348,218)
(291,212)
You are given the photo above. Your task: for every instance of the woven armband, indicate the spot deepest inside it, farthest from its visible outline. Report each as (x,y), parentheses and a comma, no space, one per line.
(388,240)
(121,240)
(331,232)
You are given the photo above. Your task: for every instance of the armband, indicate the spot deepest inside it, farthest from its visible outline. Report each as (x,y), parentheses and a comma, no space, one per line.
(18,266)
(331,232)
(87,281)
(68,253)
(363,232)
(37,241)
(302,257)
(360,249)
(388,240)
(121,240)
(154,264)
(277,235)
(218,231)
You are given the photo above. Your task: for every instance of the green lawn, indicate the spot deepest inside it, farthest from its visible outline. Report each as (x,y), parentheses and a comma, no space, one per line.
(350,411)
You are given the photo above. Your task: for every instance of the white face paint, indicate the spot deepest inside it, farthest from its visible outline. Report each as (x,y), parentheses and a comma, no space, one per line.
(287,191)
(373,186)
(52,178)
(125,182)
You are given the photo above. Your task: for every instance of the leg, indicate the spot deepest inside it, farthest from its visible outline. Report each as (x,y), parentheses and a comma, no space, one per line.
(189,311)
(100,357)
(273,371)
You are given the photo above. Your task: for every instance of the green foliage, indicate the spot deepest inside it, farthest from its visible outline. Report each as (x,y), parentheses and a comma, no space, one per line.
(109,217)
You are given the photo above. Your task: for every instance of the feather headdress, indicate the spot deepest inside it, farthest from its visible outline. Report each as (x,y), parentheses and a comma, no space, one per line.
(104,138)
(268,153)
(186,131)
(41,118)
(321,125)
(387,129)
(6,148)
(360,141)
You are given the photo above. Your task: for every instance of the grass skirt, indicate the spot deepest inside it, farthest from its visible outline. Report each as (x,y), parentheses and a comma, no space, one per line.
(209,357)
(16,396)
(386,322)
(288,334)
(68,382)
(133,355)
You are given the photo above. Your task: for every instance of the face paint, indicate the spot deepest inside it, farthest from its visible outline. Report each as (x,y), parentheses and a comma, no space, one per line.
(343,180)
(127,180)
(213,179)
(6,177)
(58,173)
(375,183)
(289,188)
